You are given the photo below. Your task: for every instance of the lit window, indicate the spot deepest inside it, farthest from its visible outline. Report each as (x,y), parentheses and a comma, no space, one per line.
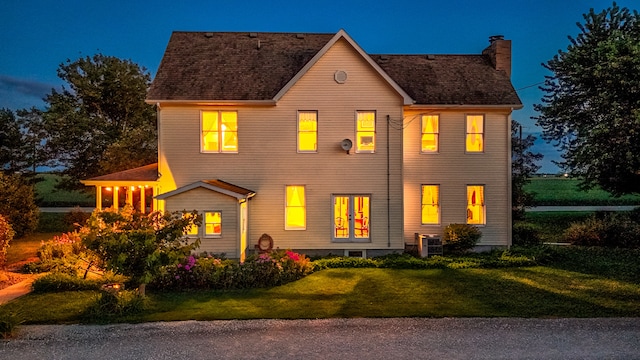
(475,133)
(365,131)
(307,131)
(219,131)
(476,213)
(295,208)
(430,133)
(212,223)
(193,230)
(430,204)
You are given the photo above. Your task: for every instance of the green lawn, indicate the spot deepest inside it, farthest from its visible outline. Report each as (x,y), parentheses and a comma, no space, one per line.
(554,191)
(571,290)
(26,247)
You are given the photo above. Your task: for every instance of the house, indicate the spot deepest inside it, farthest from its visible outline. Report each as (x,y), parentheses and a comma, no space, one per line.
(324,147)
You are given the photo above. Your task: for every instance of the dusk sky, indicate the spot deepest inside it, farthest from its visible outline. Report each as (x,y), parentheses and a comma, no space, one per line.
(37,35)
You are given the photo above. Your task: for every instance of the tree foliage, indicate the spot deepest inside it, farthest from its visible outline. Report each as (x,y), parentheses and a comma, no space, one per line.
(21,139)
(591,103)
(17,204)
(100,123)
(138,245)
(523,166)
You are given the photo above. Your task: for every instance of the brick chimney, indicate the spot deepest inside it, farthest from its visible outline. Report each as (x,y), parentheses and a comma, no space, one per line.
(499,52)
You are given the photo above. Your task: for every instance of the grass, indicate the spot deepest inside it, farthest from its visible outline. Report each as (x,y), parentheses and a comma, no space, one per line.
(48,195)
(551,225)
(346,293)
(575,282)
(553,191)
(26,247)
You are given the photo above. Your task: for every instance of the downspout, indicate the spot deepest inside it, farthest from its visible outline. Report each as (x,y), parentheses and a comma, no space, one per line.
(388,187)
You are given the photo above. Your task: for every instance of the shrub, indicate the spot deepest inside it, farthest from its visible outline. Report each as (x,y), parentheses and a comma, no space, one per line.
(6,235)
(115,303)
(525,234)
(75,218)
(9,322)
(59,282)
(18,205)
(263,270)
(606,229)
(459,238)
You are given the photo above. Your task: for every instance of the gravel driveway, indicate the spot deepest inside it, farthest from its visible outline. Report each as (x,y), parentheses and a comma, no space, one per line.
(404,338)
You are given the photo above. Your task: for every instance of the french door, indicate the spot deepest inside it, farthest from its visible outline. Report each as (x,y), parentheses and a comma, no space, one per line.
(351,217)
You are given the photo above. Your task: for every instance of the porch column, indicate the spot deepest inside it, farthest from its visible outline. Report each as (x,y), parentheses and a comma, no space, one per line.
(129,198)
(143,203)
(155,201)
(99,197)
(115,197)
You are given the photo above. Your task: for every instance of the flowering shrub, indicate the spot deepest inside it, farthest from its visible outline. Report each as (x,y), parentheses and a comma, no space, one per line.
(263,270)
(64,254)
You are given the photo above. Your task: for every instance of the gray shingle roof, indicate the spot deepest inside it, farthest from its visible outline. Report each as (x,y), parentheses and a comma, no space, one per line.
(244,67)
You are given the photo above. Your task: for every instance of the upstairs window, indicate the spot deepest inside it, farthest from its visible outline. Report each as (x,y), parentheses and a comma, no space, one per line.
(219,131)
(430,204)
(430,133)
(475,133)
(295,208)
(365,131)
(476,211)
(307,131)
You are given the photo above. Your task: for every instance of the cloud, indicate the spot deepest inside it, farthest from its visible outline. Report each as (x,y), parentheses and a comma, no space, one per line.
(18,93)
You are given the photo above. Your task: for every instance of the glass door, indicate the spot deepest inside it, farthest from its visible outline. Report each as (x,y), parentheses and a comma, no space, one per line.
(352,216)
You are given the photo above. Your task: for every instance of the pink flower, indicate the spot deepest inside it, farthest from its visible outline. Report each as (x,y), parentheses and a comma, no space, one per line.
(187,267)
(293,256)
(177,277)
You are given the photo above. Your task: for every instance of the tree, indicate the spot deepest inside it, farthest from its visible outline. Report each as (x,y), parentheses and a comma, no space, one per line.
(11,157)
(17,204)
(591,104)
(100,124)
(523,166)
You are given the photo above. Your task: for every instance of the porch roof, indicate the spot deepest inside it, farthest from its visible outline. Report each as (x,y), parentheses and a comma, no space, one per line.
(141,175)
(219,186)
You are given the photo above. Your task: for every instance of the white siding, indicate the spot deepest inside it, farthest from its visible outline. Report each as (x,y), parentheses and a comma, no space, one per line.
(267,159)
(453,170)
(206,200)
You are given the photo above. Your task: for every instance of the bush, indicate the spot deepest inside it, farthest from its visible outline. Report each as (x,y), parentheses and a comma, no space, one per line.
(606,229)
(460,238)
(59,282)
(75,219)
(115,303)
(263,270)
(18,204)
(525,234)
(9,322)
(6,235)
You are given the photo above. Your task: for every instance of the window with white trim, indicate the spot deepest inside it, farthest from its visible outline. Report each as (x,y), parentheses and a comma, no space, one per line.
(430,133)
(474,133)
(365,131)
(476,210)
(212,224)
(219,131)
(307,131)
(295,217)
(430,212)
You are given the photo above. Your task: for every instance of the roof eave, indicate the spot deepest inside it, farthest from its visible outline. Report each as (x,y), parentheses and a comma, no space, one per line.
(161,103)
(467,106)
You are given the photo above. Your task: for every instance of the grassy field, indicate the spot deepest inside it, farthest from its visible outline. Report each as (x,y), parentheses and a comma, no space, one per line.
(556,191)
(48,195)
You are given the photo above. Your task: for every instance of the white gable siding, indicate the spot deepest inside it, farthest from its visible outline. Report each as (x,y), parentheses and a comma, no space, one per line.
(267,159)
(206,200)
(453,170)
